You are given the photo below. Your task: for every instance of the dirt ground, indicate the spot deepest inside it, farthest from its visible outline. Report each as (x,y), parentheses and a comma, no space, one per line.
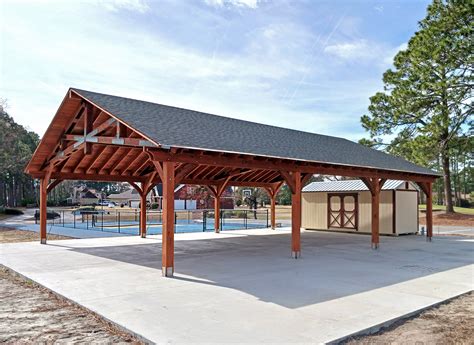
(8,235)
(456,219)
(449,323)
(30,313)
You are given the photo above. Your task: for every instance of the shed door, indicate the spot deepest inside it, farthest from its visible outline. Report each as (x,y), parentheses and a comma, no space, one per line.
(342,211)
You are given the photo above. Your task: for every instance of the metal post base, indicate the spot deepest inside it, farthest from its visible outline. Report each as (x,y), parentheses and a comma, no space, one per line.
(43,241)
(167,271)
(217,231)
(143,235)
(428,238)
(296,255)
(375,246)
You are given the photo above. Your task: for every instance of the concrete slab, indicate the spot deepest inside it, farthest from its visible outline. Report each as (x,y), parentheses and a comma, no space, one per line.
(242,286)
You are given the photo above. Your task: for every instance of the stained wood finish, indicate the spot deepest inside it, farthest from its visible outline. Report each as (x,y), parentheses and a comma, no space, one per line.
(296,215)
(374,184)
(427,188)
(272,192)
(168,219)
(86,142)
(43,209)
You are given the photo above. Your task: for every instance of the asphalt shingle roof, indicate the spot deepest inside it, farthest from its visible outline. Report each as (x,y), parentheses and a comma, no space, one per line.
(176,127)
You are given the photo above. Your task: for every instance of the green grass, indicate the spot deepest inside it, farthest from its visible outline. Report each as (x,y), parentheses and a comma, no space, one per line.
(463,210)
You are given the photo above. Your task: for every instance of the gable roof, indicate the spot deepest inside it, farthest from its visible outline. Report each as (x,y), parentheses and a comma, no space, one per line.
(89,195)
(348,186)
(182,128)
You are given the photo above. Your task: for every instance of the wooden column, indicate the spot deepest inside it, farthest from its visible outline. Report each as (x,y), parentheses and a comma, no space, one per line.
(375,218)
(43,208)
(217,213)
(272,193)
(217,191)
(168,219)
(296,217)
(273,212)
(375,184)
(429,211)
(143,214)
(427,188)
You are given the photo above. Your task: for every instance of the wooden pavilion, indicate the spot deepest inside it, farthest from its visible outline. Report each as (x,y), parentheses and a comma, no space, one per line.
(101,137)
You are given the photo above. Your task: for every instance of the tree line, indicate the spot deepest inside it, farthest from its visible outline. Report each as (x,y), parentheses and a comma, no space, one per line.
(423,114)
(16,148)
(425,110)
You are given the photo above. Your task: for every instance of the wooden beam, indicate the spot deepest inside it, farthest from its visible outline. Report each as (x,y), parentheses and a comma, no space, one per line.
(88,123)
(237,161)
(94,159)
(53,184)
(184,171)
(290,180)
(115,141)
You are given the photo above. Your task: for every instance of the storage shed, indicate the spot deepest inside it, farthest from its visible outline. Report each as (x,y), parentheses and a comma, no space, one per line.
(346,206)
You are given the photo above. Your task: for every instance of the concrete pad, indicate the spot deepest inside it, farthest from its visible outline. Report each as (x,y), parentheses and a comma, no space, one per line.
(242,286)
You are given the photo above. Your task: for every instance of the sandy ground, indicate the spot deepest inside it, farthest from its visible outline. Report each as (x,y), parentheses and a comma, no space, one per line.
(449,323)
(456,219)
(8,235)
(32,314)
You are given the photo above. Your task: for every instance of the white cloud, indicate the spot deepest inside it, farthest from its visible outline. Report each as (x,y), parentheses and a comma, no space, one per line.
(351,50)
(388,60)
(140,6)
(237,3)
(363,51)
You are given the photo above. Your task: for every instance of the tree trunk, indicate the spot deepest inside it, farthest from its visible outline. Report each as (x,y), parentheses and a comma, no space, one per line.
(447,183)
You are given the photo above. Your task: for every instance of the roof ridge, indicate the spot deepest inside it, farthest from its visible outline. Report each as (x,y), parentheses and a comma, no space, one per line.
(209,114)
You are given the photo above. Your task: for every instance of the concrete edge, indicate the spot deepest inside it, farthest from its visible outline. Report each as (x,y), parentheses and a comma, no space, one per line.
(387,324)
(80,306)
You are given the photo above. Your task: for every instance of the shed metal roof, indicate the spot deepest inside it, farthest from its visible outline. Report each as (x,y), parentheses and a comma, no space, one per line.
(182,128)
(347,186)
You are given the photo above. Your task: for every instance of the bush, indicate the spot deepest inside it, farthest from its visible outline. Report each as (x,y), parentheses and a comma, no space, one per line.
(464,203)
(13,211)
(27,201)
(154,206)
(49,215)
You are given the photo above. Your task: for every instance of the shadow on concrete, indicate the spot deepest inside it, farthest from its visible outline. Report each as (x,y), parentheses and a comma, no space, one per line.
(332,265)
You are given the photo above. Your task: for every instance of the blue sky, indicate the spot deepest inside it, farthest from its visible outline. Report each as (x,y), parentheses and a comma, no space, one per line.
(308,65)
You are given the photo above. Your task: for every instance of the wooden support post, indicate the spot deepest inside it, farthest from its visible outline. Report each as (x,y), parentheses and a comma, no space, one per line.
(429,211)
(296,216)
(217,191)
(375,184)
(273,211)
(427,188)
(272,193)
(375,218)
(168,219)
(217,213)
(143,214)
(43,208)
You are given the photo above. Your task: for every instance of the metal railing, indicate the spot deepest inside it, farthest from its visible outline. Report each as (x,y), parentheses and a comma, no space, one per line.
(128,221)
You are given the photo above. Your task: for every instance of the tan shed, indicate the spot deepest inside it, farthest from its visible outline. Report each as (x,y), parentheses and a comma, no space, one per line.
(346,206)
